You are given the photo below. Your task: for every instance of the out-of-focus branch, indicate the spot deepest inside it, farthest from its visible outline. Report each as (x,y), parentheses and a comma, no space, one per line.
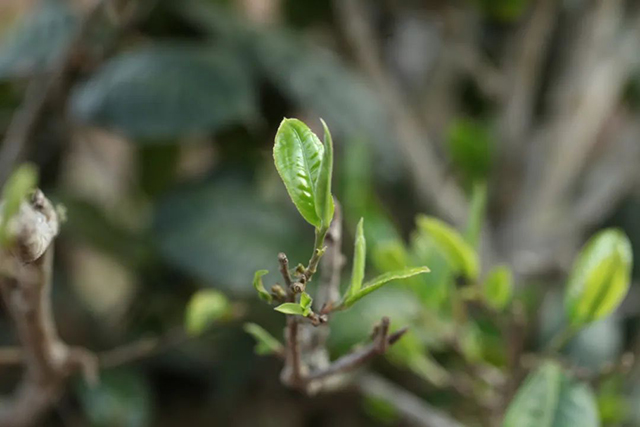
(414,410)
(577,123)
(26,292)
(427,170)
(610,179)
(359,357)
(332,263)
(523,75)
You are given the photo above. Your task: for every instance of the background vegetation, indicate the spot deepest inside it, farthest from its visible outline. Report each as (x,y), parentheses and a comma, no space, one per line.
(153,123)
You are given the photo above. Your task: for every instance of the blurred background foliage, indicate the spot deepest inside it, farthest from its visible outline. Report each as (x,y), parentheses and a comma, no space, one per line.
(160,149)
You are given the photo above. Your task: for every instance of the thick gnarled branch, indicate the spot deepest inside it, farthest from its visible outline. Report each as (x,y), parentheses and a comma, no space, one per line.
(26,288)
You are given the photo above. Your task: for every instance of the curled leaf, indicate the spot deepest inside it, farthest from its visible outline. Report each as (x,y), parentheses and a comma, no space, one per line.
(259,286)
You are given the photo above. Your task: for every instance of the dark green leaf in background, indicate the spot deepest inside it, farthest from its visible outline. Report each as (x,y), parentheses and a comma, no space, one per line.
(123,398)
(549,398)
(222,231)
(168,91)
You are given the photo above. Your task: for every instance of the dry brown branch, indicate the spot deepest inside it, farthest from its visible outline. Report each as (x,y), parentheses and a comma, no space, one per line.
(26,293)
(431,182)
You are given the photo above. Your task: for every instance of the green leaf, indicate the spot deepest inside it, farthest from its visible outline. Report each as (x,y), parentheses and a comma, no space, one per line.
(34,44)
(380,281)
(324,205)
(298,155)
(204,308)
(462,257)
(265,342)
(259,286)
(19,185)
(168,91)
(476,214)
(549,398)
(470,147)
(305,303)
(498,287)
(359,258)
(600,277)
(123,398)
(291,308)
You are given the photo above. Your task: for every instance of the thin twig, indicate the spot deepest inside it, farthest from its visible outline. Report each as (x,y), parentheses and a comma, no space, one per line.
(359,357)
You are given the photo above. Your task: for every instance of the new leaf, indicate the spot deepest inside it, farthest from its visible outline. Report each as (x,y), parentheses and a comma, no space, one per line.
(359,257)
(298,155)
(462,257)
(259,286)
(380,281)
(600,278)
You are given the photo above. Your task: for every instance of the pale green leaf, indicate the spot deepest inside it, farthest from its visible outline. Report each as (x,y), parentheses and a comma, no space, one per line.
(477,210)
(462,257)
(290,308)
(19,185)
(204,308)
(498,287)
(600,277)
(324,205)
(298,157)
(265,342)
(359,258)
(259,286)
(380,281)
(305,303)
(549,398)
